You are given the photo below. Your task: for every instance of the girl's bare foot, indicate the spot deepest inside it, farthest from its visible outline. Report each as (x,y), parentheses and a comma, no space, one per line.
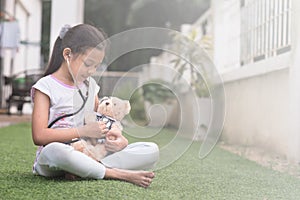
(140,178)
(71,177)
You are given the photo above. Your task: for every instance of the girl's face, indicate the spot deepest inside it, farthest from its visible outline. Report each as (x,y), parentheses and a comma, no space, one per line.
(84,65)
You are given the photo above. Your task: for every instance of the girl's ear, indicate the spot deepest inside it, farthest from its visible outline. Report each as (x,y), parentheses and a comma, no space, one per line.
(67,53)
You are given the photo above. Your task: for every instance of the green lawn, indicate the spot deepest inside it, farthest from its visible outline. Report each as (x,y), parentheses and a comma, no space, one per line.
(221,175)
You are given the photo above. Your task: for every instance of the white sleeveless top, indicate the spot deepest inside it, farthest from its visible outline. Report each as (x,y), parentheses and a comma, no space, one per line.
(65,99)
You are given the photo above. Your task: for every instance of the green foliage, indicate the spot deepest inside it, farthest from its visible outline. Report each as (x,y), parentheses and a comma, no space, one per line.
(135,97)
(116,16)
(193,61)
(137,106)
(221,175)
(157,91)
(166,13)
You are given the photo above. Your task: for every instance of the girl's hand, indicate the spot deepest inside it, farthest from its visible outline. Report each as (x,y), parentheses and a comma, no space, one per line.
(93,130)
(115,141)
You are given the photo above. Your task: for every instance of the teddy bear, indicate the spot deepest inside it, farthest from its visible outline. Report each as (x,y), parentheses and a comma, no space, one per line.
(111,110)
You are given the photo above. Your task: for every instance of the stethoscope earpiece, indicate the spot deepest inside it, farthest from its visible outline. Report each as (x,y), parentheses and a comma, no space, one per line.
(68,57)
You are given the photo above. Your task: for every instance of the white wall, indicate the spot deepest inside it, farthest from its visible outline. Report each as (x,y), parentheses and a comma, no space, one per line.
(258,112)
(65,12)
(262,98)
(29,15)
(34,29)
(294,78)
(226,29)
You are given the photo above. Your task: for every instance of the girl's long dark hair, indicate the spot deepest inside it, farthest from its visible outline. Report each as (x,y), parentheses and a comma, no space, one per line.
(78,39)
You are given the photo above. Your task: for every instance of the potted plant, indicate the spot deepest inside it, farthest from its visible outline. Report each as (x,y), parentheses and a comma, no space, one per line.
(192,66)
(159,102)
(194,55)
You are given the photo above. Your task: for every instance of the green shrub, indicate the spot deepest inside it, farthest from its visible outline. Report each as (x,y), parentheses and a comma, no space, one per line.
(158,91)
(135,97)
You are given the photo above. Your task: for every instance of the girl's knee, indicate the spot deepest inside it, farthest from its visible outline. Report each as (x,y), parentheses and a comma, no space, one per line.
(152,147)
(152,150)
(57,151)
(57,147)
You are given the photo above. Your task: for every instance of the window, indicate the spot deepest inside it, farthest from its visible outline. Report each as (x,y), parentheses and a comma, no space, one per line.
(265,29)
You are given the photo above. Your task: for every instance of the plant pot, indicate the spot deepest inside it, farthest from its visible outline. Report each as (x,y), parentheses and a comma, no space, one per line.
(159,115)
(201,117)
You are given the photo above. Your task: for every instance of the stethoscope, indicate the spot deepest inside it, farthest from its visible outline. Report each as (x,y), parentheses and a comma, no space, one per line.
(108,121)
(84,98)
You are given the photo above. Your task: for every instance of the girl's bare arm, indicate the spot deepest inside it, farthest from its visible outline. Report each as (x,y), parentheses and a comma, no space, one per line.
(43,135)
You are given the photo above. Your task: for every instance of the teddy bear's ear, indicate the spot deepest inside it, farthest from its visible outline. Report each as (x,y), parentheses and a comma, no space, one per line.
(103,99)
(127,107)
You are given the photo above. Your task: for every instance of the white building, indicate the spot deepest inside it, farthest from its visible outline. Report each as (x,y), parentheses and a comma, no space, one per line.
(25,53)
(26,17)
(256,47)
(256,51)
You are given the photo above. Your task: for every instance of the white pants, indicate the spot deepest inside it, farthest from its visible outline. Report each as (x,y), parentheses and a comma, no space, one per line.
(57,158)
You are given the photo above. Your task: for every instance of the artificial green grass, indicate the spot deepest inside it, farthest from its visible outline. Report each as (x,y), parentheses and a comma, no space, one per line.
(221,175)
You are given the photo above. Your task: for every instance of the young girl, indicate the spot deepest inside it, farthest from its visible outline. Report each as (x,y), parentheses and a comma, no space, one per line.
(63,97)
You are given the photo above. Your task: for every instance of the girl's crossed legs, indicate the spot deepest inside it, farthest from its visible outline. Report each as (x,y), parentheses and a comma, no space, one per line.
(57,158)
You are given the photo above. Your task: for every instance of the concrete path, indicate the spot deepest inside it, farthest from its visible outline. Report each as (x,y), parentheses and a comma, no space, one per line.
(6,120)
